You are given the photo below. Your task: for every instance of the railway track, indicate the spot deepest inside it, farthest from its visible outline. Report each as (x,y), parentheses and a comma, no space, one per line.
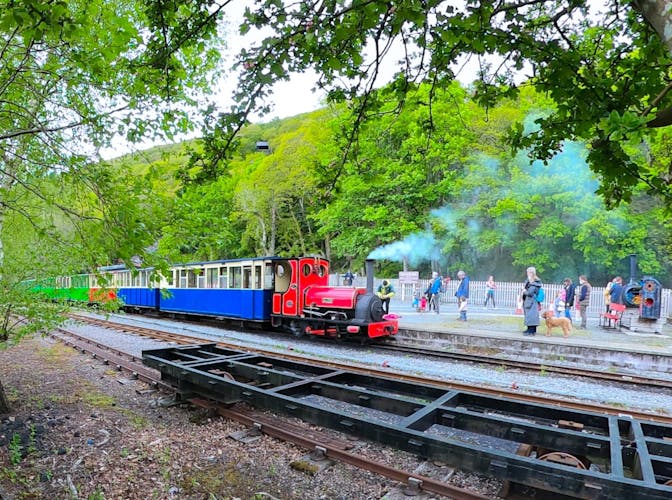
(483,390)
(321,444)
(527,365)
(563,440)
(610,375)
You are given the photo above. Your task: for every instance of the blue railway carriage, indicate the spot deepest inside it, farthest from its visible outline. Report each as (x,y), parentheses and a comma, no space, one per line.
(235,289)
(133,288)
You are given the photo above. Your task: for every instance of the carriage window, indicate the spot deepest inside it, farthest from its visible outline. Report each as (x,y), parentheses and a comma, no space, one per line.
(136,280)
(170,278)
(191,278)
(223,275)
(247,277)
(143,278)
(106,279)
(183,278)
(213,276)
(81,281)
(257,277)
(235,277)
(200,277)
(268,277)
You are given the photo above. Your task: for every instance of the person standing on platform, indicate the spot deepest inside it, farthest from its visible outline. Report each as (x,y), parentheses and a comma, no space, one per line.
(584,300)
(433,291)
(530,303)
(385,292)
(348,277)
(568,286)
(607,295)
(559,304)
(462,294)
(616,291)
(490,286)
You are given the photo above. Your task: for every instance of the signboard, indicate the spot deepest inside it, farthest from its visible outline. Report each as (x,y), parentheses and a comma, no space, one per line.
(409,276)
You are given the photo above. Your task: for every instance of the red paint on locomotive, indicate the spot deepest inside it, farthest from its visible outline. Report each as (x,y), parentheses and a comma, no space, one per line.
(332,298)
(304,303)
(383,328)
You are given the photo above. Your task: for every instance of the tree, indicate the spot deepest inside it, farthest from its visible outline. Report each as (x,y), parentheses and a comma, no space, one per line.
(76,74)
(73,75)
(607,71)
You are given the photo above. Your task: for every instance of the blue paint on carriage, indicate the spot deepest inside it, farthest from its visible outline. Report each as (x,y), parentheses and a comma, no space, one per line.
(139,297)
(226,302)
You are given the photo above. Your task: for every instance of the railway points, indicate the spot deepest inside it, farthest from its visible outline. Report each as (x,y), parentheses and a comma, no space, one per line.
(583,454)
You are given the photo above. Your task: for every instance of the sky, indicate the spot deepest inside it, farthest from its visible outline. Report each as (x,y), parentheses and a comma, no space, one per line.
(289,98)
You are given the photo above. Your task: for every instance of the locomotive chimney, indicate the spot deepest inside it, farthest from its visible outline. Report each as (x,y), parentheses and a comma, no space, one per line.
(369,275)
(633,268)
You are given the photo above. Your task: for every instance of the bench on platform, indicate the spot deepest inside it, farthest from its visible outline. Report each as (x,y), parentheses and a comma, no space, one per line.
(615,314)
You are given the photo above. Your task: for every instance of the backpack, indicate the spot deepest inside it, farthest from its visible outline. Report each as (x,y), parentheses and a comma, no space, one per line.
(540,295)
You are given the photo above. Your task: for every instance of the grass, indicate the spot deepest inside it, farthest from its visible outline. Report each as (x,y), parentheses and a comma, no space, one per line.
(137,421)
(209,480)
(56,354)
(15,449)
(98,399)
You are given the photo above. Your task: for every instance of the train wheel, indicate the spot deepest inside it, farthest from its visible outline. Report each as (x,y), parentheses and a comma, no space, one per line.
(297,329)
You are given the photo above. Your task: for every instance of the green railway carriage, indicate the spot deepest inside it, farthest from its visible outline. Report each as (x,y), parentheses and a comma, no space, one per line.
(73,288)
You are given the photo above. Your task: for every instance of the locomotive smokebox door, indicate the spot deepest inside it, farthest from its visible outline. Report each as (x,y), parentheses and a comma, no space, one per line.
(650,299)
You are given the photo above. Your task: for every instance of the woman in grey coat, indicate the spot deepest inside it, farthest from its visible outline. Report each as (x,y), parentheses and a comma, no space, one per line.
(530,303)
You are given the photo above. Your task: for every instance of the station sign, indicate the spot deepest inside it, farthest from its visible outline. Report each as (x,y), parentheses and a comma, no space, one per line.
(409,276)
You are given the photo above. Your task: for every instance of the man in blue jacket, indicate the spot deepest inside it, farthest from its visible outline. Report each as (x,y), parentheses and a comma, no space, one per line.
(433,292)
(462,294)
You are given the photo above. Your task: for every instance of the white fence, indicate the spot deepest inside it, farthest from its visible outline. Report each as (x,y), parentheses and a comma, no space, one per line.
(506,294)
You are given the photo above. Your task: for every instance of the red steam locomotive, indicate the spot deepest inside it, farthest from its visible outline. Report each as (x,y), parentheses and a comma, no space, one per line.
(304,303)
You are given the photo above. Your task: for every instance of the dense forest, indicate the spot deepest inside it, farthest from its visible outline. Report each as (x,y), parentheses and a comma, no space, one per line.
(557,154)
(446,197)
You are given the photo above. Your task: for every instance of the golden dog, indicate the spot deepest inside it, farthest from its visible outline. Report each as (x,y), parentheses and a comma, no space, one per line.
(551,322)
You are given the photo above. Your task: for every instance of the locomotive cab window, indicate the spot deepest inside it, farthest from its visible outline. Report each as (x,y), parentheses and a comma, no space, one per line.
(307,269)
(283,277)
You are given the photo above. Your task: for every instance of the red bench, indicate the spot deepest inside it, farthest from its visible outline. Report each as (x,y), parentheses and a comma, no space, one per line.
(615,313)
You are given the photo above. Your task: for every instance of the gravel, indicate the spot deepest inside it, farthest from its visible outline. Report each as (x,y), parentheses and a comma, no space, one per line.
(623,395)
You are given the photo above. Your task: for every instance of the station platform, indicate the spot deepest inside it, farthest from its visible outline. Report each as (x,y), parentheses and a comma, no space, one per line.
(499,332)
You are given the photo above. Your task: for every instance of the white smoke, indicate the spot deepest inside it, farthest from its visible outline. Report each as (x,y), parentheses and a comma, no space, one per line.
(415,248)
